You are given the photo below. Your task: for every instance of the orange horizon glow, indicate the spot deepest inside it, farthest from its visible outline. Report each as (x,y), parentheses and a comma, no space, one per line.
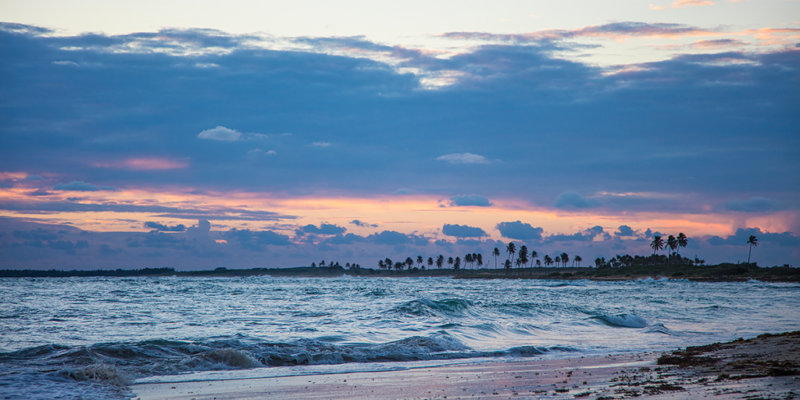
(419,214)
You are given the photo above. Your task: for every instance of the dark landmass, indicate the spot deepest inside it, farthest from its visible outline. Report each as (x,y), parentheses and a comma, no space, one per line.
(725,272)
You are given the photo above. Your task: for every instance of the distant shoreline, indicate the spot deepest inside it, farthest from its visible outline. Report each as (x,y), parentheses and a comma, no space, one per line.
(724,272)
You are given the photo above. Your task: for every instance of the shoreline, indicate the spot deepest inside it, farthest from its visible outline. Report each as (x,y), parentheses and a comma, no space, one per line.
(763,367)
(717,273)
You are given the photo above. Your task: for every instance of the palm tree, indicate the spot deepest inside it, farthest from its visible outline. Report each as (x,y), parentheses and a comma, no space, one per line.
(420,260)
(538,263)
(564,258)
(467,259)
(683,241)
(381,265)
(439,261)
(657,244)
(450,261)
(474,258)
(430,262)
(547,260)
(495,253)
(479,258)
(511,249)
(534,256)
(507,265)
(578,260)
(558,260)
(752,241)
(523,253)
(672,244)
(389,263)
(409,262)
(457,264)
(398,266)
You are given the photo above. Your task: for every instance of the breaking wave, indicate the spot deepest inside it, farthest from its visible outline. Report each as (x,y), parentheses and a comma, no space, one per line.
(622,320)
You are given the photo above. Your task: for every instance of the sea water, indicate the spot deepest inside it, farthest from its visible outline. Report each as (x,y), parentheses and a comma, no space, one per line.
(91,337)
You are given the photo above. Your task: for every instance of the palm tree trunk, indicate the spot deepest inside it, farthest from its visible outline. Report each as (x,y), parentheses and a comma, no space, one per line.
(748,253)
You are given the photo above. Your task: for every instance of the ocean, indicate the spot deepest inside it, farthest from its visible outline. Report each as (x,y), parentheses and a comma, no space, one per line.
(89,338)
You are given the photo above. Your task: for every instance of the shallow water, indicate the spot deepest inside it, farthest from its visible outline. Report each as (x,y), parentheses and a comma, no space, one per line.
(89,337)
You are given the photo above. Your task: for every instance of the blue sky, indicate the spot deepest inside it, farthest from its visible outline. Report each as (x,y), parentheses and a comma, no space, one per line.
(393,131)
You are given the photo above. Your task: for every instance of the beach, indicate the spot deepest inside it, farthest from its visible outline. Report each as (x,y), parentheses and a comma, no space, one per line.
(763,367)
(118,338)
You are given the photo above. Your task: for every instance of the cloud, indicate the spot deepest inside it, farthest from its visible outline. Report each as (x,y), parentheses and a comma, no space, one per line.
(220,133)
(462,231)
(257,240)
(625,230)
(262,152)
(470,200)
(753,205)
(35,234)
(393,238)
(575,200)
(617,31)
(81,186)
(363,224)
(4,185)
(106,250)
(519,230)
(683,4)
(324,229)
(741,237)
(67,63)
(218,213)
(143,164)
(349,238)
(160,227)
(321,144)
(584,236)
(464,158)
(33,178)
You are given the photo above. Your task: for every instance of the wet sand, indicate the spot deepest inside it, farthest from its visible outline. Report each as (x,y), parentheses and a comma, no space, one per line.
(766,367)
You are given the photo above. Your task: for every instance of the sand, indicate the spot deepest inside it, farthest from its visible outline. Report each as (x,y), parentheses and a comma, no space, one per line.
(766,367)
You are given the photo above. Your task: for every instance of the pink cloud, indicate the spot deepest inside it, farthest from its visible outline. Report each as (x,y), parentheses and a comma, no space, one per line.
(683,4)
(144,164)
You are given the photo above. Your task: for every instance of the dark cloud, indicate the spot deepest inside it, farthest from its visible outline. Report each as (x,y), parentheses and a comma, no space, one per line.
(462,231)
(393,238)
(169,212)
(33,178)
(625,230)
(686,104)
(106,250)
(519,230)
(741,237)
(35,234)
(575,200)
(40,192)
(323,229)
(164,228)
(363,224)
(753,204)
(585,236)
(4,185)
(257,240)
(349,238)
(470,200)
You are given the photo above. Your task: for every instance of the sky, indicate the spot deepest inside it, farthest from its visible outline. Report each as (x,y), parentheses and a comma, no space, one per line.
(251,134)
